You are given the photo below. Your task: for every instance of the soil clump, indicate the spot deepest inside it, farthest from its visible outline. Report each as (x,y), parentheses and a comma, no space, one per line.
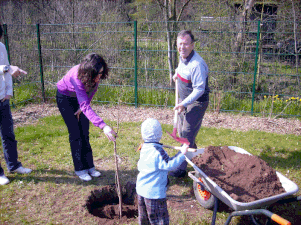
(245,178)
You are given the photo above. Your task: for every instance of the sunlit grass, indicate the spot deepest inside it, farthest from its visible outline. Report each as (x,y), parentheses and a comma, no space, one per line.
(52,192)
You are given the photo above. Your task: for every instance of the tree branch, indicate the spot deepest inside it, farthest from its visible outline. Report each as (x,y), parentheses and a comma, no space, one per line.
(161,5)
(182,9)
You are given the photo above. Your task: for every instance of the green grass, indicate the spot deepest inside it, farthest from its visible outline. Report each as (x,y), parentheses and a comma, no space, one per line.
(52,194)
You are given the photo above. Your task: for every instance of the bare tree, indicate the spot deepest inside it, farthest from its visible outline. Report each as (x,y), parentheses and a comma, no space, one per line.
(169,8)
(295,37)
(240,37)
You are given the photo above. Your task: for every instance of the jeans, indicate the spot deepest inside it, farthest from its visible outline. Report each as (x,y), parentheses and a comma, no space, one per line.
(9,142)
(78,133)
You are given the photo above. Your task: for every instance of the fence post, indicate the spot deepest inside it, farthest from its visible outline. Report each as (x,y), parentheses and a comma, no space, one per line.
(135,58)
(41,61)
(255,66)
(6,41)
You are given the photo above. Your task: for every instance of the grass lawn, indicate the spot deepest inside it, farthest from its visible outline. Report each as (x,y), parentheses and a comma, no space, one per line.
(51,194)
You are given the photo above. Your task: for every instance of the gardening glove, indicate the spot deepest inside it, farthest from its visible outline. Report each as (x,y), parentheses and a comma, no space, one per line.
(16,71)
(7,97)
(110,133)
(184,149)
(77,113)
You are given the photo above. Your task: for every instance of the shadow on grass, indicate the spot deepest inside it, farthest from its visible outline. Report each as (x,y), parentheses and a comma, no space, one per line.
(69,177)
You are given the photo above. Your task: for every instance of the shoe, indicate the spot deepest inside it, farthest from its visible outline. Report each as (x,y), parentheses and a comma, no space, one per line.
(94,173)
(85,177)
(3,180)
(21,170)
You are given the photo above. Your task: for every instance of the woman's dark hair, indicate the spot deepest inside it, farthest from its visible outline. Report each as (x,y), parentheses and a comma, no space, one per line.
(89,69)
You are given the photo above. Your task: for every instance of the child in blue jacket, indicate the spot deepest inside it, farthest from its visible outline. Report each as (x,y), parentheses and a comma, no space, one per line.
(153,166)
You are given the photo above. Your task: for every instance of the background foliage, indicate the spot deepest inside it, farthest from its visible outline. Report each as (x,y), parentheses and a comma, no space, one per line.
(247,59)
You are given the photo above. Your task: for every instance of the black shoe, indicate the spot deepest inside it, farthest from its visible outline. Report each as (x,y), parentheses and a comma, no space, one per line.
(178,173)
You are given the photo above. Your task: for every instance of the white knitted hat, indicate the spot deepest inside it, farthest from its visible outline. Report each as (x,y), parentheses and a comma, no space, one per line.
(151,130)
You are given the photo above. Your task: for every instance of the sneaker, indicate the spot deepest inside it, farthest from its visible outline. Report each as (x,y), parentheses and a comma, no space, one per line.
(22,170)
(85,177)
(94,173)
(3,180)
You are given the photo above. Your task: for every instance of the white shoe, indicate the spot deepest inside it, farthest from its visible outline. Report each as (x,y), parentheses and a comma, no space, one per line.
(94,173)
(85,177)
(22,170)
(3,180)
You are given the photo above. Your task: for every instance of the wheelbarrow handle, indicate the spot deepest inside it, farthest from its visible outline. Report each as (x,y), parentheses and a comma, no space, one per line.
(280,220)
(179,148)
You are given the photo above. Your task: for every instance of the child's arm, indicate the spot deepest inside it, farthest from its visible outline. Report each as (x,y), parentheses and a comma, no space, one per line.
(167,163)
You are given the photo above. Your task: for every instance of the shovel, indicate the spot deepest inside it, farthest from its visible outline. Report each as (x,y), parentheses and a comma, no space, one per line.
(175,123)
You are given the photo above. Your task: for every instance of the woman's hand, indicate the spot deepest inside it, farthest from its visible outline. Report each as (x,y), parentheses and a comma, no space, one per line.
(110,133)
(77,113)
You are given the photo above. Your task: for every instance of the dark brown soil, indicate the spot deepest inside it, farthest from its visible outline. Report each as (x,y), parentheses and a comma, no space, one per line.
(104,202)
(245,178)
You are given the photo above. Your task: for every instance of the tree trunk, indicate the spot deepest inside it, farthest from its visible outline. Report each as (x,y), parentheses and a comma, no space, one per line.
(240,38)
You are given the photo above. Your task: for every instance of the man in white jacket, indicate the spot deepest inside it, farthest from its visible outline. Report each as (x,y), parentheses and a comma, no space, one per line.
(9,142)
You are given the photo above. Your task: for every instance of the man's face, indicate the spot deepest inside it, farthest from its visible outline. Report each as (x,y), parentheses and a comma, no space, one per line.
(185,46)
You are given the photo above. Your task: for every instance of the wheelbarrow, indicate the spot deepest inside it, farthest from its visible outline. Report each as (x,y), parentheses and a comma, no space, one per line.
(208,194)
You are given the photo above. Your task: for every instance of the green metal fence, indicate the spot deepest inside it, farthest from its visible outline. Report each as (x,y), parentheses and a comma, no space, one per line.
(254,66)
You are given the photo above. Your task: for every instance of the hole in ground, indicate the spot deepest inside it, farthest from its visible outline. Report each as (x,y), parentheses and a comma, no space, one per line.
(104,202)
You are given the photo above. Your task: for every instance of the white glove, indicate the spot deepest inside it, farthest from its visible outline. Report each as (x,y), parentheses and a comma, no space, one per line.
(110,133)
(16,71)
(184,149)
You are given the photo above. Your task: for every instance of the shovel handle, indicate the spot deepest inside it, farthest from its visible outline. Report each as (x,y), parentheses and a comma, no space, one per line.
(179,148)
(175,121)
(177,94)
(280,220)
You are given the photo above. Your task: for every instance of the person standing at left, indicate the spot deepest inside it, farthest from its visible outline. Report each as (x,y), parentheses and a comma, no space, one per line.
(74,94)
(9,142)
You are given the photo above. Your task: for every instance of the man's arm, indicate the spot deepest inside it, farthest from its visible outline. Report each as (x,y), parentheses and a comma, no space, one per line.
(13,70)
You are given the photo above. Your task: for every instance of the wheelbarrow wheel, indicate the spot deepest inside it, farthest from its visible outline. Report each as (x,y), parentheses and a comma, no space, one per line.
(205,198)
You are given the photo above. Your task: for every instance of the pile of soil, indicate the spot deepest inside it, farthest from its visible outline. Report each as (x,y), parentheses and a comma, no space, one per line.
(104,202)
(244,177)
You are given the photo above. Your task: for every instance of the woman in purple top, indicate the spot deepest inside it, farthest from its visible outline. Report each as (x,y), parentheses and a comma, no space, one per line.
(75,92)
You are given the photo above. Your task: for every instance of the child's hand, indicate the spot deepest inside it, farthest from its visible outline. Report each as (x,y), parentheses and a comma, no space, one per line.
(184,149)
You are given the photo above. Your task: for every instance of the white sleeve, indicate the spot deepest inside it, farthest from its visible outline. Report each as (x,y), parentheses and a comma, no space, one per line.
(8,84)
(3,58)
(198,80)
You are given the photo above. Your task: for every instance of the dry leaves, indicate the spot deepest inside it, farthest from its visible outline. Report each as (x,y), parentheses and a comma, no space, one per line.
(31,113)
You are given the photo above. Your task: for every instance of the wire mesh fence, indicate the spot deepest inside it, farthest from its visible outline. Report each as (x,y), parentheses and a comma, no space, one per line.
(254,66)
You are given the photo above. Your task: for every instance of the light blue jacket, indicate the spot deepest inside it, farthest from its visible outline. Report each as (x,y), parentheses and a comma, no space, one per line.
(153,166)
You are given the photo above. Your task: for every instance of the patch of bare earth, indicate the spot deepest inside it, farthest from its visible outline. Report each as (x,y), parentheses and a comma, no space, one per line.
(180,195)
(31,113)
